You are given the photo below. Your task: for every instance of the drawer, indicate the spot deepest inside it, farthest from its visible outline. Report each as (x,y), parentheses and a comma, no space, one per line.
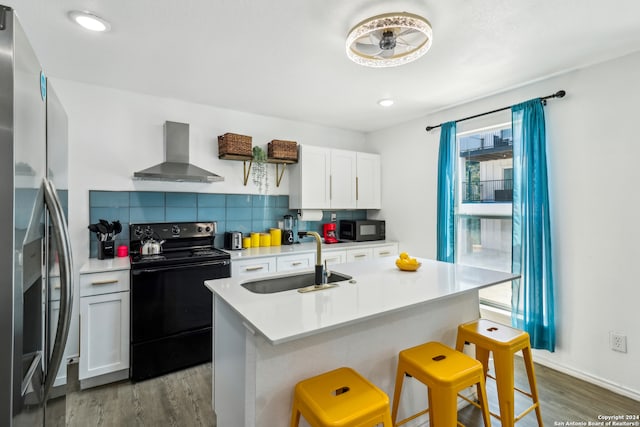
(296,262)
(334,257)
(359,254)
(386,250)
(104,282)
(251,267)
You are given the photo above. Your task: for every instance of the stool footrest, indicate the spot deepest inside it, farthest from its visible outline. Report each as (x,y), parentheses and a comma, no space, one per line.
(474,403)
(526,393)
(412,417)
(531,408)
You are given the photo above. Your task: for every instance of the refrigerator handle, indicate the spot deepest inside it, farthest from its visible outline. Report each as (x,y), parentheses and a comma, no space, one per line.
(61,236)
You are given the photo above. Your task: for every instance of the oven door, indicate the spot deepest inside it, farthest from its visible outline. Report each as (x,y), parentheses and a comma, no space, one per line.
(171,317)
(172,299)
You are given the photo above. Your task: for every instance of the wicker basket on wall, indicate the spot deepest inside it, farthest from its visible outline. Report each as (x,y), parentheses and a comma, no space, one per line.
(282,150)
(234,144)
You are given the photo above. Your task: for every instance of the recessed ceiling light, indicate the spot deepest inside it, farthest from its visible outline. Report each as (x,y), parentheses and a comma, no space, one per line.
(385,102)
(89,21)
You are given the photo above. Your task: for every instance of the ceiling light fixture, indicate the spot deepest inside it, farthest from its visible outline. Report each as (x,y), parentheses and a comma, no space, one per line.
(385,102)
(89,21)
(389,40)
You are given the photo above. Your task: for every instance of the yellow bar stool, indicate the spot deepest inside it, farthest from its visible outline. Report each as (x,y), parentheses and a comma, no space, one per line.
(340,398)
(503,341)
(445,372)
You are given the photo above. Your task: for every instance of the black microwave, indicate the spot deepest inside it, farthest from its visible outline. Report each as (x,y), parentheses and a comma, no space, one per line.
(361,230)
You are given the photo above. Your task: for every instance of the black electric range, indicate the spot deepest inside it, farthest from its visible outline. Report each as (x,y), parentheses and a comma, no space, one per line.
(171,309)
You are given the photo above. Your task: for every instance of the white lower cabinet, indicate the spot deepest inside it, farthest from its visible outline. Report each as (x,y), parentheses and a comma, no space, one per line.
(253,266)
(360,254)
(295,262)
(104,327)
(334,257)
(385,250)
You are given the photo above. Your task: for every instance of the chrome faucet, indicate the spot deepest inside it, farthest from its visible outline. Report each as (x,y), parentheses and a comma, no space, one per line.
(321,274)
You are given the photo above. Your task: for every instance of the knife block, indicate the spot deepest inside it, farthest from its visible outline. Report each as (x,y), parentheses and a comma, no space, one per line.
(106,249)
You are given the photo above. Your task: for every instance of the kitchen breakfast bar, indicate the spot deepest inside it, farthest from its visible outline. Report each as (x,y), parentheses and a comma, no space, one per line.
(265,343)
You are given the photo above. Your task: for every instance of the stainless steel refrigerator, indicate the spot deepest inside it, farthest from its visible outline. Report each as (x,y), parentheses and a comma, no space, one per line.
(35,256)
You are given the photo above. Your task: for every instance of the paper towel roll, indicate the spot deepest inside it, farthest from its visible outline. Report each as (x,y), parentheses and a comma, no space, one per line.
(310,215)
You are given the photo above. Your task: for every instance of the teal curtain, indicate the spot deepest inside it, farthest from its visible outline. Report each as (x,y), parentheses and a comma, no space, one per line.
(446,193)
(532,302)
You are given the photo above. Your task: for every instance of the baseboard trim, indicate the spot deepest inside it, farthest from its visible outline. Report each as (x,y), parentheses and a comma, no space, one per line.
(601,382)
(104,379)
(503,316)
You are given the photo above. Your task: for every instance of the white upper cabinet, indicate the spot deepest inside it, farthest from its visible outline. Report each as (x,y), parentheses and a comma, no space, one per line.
(327,178)
(310,181)
(343,179)
(368,181)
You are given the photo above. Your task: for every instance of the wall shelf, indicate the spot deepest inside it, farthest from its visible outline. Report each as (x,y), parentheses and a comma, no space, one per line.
(247,169)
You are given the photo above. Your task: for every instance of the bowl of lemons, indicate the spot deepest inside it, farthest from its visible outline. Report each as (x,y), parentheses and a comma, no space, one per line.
(407,263)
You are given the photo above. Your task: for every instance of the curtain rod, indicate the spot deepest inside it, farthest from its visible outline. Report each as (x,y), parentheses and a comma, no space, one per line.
(558,94)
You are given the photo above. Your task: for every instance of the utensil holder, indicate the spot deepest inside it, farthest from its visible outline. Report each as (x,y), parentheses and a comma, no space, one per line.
(106,249)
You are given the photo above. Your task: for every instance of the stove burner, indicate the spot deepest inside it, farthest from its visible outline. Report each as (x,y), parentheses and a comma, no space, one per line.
(204,252)
(152,257)
(183,243)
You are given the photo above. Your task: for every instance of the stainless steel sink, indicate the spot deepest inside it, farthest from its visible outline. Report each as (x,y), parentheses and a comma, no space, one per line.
(287,283)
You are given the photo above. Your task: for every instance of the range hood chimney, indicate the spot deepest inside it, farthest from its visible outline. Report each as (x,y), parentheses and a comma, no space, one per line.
(176,166)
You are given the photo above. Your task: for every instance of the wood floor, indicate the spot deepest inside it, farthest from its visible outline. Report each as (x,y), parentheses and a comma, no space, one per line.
(184,399)
(564,400)
(179,399)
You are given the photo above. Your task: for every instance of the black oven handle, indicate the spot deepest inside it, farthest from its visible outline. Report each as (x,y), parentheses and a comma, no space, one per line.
(180,267)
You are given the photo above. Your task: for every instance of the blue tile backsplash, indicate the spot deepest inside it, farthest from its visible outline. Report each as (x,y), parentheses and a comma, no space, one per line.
(232,212)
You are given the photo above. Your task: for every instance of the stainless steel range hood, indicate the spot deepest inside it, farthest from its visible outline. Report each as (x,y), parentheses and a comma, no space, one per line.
(176,166)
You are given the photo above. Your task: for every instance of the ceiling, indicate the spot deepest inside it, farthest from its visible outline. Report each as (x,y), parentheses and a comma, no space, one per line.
(286,58)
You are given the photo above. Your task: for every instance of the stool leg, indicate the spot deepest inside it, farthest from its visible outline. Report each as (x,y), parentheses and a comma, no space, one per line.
(396,392)
(484,402)
(528,364)
(504,381)
(295,414)
(482,355)
(460,342)
(444,412)
(386,422)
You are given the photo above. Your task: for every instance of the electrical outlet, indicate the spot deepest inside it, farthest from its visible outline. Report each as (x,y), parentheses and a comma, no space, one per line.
(618,341)
(333,217)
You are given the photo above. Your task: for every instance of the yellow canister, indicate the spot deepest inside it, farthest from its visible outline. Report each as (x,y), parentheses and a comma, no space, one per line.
(276,236)
(265,239)
(255,240)
(246,242)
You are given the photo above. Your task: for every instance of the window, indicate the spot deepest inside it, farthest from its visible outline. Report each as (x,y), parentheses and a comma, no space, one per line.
(483,211)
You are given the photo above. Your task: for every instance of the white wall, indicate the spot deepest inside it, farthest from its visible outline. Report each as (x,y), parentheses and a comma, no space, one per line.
(114,133)
(593,154)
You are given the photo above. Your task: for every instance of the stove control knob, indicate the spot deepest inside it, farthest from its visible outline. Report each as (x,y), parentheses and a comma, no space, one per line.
(148,231)
(199,229)
(208,229)
(175,229)
(137,231)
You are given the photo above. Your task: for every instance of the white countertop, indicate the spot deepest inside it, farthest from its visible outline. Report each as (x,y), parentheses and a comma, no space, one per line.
(298,248)
(94,265)
(381,288)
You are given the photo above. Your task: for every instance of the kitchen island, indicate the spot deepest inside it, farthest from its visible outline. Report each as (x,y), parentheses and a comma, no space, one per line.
(265,343)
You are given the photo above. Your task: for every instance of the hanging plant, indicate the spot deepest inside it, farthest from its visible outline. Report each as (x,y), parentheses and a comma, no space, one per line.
(259,169)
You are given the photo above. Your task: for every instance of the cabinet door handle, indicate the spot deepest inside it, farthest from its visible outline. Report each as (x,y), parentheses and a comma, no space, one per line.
(360,255)
(296,263)
(330,187)
(385,253)
(105,282)
(257,267)
(331,259)
(356,188)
